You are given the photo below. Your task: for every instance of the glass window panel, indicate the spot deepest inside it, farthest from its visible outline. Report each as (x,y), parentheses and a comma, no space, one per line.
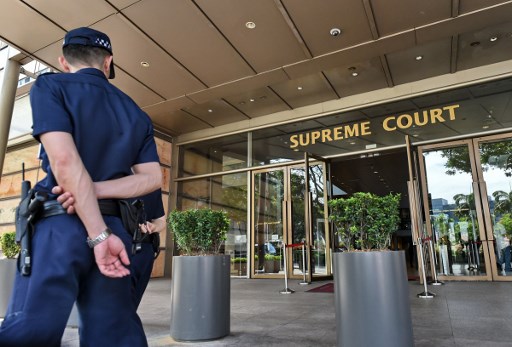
(228,193)
(217,155)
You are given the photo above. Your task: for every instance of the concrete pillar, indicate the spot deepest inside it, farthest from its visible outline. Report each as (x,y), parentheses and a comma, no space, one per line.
(7,96)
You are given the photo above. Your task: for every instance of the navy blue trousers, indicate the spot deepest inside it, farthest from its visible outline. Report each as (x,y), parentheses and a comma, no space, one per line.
(64,271)
(141,267)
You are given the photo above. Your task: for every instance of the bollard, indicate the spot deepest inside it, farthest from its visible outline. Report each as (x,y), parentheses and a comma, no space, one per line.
(286,290)
(425,294)
(435,281)
(304,282)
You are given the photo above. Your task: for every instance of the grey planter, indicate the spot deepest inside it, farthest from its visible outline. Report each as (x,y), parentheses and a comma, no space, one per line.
(372,299)
(7,276)
(200,297)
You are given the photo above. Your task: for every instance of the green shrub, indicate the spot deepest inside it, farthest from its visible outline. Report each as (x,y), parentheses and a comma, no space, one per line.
(365,221)
(10,248)
(199,231)
(238,260)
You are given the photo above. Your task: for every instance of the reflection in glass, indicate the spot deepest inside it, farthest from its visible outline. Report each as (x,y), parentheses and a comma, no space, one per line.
(229,193)
(217,155)
(456,236)
(318,243)
(496,158)
(268,221)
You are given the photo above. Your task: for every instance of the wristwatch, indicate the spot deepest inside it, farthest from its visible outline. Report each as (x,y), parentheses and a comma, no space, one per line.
(100,238)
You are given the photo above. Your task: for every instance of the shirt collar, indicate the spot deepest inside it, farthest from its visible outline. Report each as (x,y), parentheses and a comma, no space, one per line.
(91,71)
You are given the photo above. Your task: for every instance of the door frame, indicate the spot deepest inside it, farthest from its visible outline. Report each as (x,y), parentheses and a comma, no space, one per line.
(481,205)
(287,236)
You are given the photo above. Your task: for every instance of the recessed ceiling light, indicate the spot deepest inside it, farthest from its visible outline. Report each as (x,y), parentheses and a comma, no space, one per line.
(352,143)
(210,110)
(415,135)
(485,127)
(251,100)
(299,88)
(419,57)
(355,74)
(335,32)
(250,25)
(144,64)
(493,38)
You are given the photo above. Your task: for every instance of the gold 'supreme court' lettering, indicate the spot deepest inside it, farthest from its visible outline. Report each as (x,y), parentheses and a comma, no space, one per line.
(422,118)
(328,135)
(390,123)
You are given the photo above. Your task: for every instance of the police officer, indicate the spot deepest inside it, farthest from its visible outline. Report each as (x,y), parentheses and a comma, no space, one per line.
(89,131)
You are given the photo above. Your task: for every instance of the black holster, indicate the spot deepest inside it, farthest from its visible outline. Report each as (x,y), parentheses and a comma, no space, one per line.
(132,216)
(25,217)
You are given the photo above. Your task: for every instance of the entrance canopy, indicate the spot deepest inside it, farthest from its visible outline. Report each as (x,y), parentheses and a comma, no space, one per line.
(198,65)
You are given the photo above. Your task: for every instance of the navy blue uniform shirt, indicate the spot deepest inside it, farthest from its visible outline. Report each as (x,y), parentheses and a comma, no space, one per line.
(108,128)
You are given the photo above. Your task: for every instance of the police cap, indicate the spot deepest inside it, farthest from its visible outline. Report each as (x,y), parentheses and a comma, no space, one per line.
(92,38)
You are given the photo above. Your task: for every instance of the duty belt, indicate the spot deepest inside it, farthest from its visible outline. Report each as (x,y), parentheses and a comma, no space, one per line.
(54,208)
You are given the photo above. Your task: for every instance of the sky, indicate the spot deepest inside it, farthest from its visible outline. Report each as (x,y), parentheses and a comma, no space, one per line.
(441,185)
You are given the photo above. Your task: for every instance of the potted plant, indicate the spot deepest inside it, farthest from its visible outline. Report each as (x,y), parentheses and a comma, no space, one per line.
(8,260)
(370,281)
(239,265)
(200,297)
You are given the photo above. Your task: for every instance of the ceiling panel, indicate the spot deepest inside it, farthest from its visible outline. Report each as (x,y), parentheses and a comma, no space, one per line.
(370,77)
(271,34)
(38,31)
(305,91)
(435,60)
(343,118)
(216,113)
(190,38)
(258,102)
(498,86)
(442,98)
(131,48)
(138,92)
(473,5)
(392,16)
(179,122)
(120,4)
(477,48)
(497,108)
(49,55)
(167,107)
(349,16)
(388,109)
(362,52)
(299,127)
(66,16)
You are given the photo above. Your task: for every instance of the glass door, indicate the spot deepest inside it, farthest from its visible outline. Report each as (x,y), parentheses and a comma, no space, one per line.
(469,199)
(308,220)
(453,210)
(269,220)
(494,155)
(289,208)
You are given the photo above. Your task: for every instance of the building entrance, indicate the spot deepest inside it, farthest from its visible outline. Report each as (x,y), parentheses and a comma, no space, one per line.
(289,210)
(467,195)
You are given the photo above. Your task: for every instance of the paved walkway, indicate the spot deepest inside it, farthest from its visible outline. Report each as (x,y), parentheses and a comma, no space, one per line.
(462,314)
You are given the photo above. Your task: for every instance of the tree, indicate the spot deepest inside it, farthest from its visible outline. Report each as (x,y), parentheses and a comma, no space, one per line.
(503,201)
(492,154)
